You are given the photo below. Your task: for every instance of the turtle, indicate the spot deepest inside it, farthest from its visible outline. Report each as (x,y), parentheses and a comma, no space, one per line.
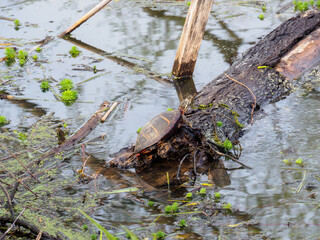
(160,127)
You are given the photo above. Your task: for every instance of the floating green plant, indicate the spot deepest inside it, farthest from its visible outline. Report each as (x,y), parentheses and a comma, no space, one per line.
(171,208)
(44,86)
(74,52)
(66,84)
(203,191)
(227,206)
(219,124)
(69,96)
(85,227)
(35,57)
(227,145)
(22,54)
(217,195)
(169,109)
(189,195)
(150,203)
(159,235)
(38,49)
(287,162)
(139,129)
(261,16)
(299,161)
(10,55)
(188,3)
(3,120)
(17,24)
(182,223)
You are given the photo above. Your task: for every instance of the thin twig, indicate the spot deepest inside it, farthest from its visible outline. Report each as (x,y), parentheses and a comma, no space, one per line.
(108,112)
(228,156)
(20,162)
(12,225)
(9,199)
(254,97)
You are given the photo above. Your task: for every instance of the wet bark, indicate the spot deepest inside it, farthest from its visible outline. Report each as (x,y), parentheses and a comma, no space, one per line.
(227,99)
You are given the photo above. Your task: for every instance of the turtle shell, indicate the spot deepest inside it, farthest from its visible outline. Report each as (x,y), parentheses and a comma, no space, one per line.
(160,127)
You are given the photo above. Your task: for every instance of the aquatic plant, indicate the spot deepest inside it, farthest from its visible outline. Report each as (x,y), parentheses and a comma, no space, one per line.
(219,124)
(287,162)
(93,236)
(35,57)
(217,195)
(139,129)
(182,223)
(17,24)
(22,62)
(74,52)
(318,4)
(159,235)
(302,6)
(261,16)
(66,84)
(227,145)
(299,161)
(38,49)
(189,195)
(3,120)
(85,227)
(150,203)
(169,109)
(203,191)
(22,55)
(44,86)
(171,208)
(188,3)
(69,96)
(10,55)
(226,206)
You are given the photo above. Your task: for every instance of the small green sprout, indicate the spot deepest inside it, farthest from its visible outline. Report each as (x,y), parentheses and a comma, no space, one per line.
(44,86)
(22,62)
(183,223)
(17,24)
(168,209)
(95,70)
(22,137)
(169,109)
(217,195)
(188,3)
(299,161)
(10,55)
(38,49)
(35,57)
(66,84)
(227,145)
(203,191)
(85,227)
(264,8)
(219,124)
(261,16)
(175,207)
(160,235)
(74,52)
(93,236)
(150,203)
(226,206)
(189,195)
(3,120)
(139,129)
(69,96)
(22,55)
(287,162)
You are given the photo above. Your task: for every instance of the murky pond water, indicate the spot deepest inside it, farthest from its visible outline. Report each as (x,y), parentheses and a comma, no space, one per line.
(147,33)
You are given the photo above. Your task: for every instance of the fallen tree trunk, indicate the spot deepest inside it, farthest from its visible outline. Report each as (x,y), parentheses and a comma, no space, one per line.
(235,98)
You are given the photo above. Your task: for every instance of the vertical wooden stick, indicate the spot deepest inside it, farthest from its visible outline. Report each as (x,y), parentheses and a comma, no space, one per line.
(92,12)
(191,37)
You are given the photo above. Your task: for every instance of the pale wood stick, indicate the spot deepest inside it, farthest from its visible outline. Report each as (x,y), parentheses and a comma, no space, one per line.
(88,15)
(108,112)
(191,37)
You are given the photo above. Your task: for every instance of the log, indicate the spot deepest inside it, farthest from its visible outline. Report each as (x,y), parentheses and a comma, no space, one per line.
(233,104)
(191,38)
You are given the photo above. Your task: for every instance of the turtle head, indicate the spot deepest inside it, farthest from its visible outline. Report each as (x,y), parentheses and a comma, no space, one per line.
(186,103)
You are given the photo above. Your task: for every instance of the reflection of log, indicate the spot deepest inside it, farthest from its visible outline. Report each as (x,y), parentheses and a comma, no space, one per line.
(231,103)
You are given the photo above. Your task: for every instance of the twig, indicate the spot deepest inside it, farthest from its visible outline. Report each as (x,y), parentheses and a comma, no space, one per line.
(228,156)
(109,111)
(12,225)
(20,163)
(254,97)
(83,19)
(305,173)
(1,165)
(9,199)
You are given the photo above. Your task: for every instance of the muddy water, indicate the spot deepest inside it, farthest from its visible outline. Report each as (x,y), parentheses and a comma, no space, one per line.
(147,33)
